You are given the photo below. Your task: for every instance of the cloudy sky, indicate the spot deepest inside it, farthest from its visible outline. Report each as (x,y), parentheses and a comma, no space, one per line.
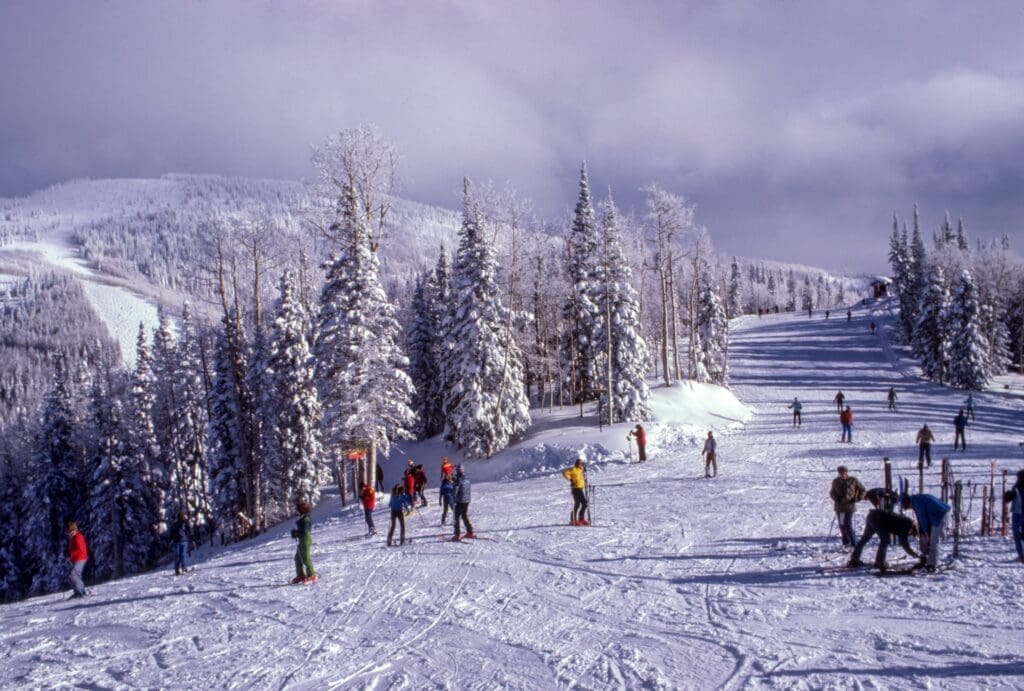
(797,128)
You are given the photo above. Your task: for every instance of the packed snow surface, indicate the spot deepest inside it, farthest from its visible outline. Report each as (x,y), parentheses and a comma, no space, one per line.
(682,581)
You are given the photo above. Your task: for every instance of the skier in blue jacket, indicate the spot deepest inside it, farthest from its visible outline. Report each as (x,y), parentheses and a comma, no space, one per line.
(446,496)
(932,515)
(399,501)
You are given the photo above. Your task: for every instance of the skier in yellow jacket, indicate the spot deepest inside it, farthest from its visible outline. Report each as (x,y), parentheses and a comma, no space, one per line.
(577,477)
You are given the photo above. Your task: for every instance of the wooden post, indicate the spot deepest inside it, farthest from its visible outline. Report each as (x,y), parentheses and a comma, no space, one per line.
(342,480)
(920,476)
(947,479)
(888,483)
(984,510)
(958,496)
(1006,507)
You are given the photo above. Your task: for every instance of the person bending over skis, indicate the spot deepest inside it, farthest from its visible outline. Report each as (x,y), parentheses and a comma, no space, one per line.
(884,524)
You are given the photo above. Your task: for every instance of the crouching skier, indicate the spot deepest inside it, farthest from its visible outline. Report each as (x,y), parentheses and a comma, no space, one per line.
(303,532)
(884,524)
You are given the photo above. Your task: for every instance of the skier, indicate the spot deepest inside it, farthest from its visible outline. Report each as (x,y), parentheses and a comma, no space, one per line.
(399,500)
(710,459)
(839,401)
(932,515)
(446,469)
(303,532)
(872,328)
(960,425)
(846,420)
(827,312)
(884,524)
(420,476)
(1016,496)
(892,398)
(409,477)
(796,406)
(924,446)
(846,491)
(810,312)
(179,538)
(368,498)
(462,496)
(446,497)
(577,477)
(379,484)
(641,441)
(78,554)
(970,406)
(849,315)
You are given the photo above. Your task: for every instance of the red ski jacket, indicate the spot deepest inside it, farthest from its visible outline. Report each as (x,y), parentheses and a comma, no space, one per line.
(368,497)
(410,482)
(77,550)
(641,437)
(846,417)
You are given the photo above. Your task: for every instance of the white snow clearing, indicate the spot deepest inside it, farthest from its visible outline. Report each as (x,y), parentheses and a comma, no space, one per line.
(682,582)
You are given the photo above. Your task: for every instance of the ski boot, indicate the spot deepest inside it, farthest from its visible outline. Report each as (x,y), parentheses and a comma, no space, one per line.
(309,579)
(297,580)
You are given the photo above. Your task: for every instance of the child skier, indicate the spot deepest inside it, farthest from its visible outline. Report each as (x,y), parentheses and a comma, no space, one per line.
(303,532)
(846,420)
(399,500)
(446,497)
(368,498)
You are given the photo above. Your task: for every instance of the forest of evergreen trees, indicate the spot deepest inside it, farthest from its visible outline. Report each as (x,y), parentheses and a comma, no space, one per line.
(306,347)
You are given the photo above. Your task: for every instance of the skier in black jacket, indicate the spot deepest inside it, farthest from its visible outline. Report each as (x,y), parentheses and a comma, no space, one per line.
(885,524)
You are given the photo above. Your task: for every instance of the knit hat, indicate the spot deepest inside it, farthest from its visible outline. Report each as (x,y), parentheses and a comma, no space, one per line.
(842,469)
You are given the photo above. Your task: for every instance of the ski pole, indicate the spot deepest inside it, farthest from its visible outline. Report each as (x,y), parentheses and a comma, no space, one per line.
(832,525)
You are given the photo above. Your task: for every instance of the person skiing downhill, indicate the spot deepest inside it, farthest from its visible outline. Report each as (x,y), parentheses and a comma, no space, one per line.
(641,442)
(710,456)
(885,524)
(924,446)
(303,532)
(796,407)
(78,555)
(399,500)
(846,420)
(932,515)
(179,538)
(960,427)
(446,497)
(845,492)
(462,498)
(891,397)
(368,498)
(577,477)
(839,401)
(1015,497)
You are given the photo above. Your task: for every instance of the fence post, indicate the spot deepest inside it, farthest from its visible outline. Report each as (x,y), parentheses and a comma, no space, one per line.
(888,482)
(958,500)
(947,479)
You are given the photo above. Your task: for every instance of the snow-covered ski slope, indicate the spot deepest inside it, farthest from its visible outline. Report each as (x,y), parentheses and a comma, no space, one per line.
(682,583)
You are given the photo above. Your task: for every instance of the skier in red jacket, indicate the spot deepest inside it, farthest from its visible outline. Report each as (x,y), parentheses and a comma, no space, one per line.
(641,441)
(846,420)
(78,554)
(409,478)
(368,498)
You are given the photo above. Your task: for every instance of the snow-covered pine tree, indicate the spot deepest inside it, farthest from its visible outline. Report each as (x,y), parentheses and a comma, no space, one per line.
(55,493)
(11,516)
(143,447)
(296,466)
(360,369)
(117,511)
(581,311)
(961,236)
(930,334)
(790,292)
(619,336)
(899,263)
(733,303)
(772,291)
(485,404)
(713,330)
(968,348)
(422,346)
(918,270)
(807,295)
(997,334)
(227,468)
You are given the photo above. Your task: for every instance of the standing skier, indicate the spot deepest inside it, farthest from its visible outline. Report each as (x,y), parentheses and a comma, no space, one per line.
(839,401)
(462,497)
(846,420)
(78,554)
(303,532)
(710,459)
(446,497)
(924,446)
(1016,496)
(796,407)
(409,477)
(849,315)
(873,328)
(641,441)
(932,515)
(577,477)
(960,427)
(447,469)
(420,477)
(970,406)
(379,484)
(179,538)
(368,498)
(885,524)
(892,398)
(846,491)
(399,500)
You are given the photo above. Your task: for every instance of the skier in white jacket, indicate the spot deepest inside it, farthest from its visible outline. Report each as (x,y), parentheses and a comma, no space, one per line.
(710,462)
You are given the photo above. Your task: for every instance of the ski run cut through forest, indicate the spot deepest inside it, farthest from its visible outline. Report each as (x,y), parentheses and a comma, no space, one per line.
(680,581)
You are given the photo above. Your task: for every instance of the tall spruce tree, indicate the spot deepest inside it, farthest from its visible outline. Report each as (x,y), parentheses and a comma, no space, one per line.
(485,404)
(733,304)
(582,312)
(619,337)
(227,467)
(713,329)
(930,331)
(968,348)
(423,349)
(296,466)
(143,445)
(360,369)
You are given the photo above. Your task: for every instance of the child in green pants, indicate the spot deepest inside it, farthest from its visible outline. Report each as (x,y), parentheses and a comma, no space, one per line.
(303,532)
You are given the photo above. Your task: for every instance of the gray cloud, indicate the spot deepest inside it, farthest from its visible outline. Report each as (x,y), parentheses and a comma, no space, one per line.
(797,128)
